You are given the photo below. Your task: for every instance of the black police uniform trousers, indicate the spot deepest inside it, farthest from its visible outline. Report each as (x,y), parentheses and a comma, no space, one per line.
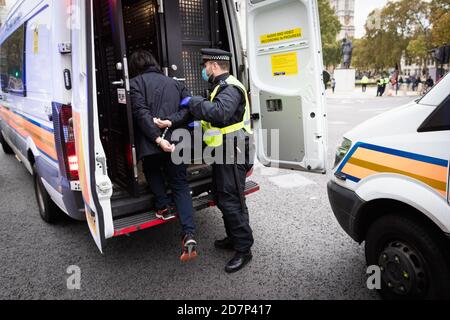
(229,188)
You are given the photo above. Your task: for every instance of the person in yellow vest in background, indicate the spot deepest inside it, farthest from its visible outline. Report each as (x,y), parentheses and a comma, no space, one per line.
(226,123)
(364,82)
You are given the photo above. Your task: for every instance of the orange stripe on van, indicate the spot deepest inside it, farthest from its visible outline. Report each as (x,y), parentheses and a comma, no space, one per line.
(357,171)
(367,160)
(415,167)
(43,139)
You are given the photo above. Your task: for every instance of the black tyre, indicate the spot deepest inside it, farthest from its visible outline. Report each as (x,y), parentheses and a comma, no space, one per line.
(6,148)
(413,259)
(48,210)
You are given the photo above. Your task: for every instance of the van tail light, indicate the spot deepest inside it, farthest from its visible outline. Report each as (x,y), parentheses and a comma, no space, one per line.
(69,150)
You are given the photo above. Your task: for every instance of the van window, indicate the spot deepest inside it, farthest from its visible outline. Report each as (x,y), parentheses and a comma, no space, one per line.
(439,92)
(11,62)
(439,120)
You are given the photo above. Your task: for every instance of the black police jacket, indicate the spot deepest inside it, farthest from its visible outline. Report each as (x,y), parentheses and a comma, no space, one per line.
(153,95)
(228,107)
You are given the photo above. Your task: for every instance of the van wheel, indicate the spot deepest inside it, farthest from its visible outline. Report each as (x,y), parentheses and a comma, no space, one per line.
(6,148)
(414,261)
(48,210)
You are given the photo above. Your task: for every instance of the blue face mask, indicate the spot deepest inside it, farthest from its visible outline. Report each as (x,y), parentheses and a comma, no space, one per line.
(205,75)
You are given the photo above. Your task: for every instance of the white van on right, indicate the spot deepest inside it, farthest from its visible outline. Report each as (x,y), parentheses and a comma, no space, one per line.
(390,188)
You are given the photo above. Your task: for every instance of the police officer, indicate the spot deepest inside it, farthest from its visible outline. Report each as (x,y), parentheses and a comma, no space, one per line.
(226,123)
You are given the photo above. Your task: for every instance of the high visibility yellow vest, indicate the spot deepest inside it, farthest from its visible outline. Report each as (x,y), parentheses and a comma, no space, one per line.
(212,136)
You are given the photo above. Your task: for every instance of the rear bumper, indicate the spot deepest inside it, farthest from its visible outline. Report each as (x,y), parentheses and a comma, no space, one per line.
(345,204)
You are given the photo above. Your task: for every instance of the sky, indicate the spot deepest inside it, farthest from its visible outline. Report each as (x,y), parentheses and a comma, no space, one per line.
(362,10)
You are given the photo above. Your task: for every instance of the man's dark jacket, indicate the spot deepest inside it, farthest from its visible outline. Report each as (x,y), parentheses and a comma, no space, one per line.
(153,95)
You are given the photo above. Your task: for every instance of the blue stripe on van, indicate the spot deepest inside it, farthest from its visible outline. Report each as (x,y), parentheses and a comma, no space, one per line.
(35,122)
(404,154)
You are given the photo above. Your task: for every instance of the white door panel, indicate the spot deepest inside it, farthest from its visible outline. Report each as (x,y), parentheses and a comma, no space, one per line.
(285,62)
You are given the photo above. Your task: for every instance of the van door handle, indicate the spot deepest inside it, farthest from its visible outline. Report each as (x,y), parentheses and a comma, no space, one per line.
(120,83)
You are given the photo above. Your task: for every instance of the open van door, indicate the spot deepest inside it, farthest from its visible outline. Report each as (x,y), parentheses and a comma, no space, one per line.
(448,184)
(287,91)
(94,182)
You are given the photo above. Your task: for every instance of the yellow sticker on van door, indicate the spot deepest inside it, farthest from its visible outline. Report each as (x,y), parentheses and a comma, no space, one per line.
(281,36)
(284,64)
(36,41)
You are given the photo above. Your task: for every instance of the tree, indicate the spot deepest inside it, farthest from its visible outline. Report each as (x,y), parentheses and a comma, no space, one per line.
(418,48)
(440,19)
(330,28)
(400,27)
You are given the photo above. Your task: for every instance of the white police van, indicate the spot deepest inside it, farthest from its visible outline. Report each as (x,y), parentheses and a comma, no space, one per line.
(65,109)
(391,189)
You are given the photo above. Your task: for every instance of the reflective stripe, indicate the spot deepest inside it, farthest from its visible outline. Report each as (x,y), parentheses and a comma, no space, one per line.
(213,136)
(212,133)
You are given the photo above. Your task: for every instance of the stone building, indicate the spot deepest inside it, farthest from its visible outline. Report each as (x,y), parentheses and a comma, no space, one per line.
(5,5)
(345,10)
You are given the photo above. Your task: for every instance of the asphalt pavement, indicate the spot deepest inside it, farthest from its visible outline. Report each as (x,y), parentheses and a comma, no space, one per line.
(300,251)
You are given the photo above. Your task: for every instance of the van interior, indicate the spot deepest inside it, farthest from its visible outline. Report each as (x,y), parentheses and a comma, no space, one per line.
(174,31)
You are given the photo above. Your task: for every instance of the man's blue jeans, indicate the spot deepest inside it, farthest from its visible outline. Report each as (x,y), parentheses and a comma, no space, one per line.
(156,167)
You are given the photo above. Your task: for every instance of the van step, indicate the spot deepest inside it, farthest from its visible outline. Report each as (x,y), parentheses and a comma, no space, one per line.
(141,221)
(124,206)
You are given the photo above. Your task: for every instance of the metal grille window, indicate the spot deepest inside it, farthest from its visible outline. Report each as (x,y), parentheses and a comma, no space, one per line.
(194,20)
(191,61)
(140,21)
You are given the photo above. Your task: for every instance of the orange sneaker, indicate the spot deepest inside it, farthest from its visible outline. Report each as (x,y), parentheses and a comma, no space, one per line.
(189,247)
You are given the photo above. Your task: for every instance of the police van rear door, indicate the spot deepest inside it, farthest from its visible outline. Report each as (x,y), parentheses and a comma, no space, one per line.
(287,91)
(448,183)
(94,182)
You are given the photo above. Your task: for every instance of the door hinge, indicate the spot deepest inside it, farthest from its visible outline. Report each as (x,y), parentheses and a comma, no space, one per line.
(255,116)
(101,162)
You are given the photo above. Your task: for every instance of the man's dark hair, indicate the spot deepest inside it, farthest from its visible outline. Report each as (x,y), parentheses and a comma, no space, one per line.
(224,65)
(140,61)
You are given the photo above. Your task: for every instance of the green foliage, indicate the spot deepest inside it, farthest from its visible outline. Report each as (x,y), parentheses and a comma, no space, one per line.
(418,47)
(402,26)
(330,28)
(440,18)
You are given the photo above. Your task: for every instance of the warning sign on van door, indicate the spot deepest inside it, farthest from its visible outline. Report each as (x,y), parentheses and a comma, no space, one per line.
(122,96)
(284,64)
(36,41)
(281,36)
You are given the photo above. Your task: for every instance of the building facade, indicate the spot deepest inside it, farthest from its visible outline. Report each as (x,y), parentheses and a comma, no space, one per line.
(345,10)
(5,5)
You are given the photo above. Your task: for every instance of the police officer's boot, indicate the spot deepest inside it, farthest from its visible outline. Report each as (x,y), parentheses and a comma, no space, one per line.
(224,244)
(239,261)
(189,248)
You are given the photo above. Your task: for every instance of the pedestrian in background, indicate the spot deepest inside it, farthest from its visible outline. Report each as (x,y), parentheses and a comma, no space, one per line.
(333,84)
(385,83)
(380,87)
(364,82)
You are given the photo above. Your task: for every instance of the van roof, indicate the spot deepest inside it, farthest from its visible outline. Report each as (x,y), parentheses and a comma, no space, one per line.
(9,21)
